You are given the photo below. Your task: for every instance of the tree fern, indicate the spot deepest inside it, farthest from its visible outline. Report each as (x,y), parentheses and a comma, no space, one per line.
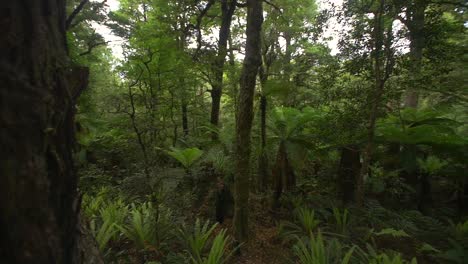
(187,157)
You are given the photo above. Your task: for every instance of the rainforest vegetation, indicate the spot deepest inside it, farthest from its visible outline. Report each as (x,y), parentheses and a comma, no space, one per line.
(234,131)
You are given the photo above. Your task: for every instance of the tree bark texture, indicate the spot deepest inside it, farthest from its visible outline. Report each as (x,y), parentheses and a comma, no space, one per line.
(39,202)
(263,159)
(185,126)
(285,178)
(252,61)
(349,169)
(227,11)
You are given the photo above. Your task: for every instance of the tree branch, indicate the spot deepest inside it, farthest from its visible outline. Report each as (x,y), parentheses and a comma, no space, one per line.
(274,6)
(92,46)
(75,13)
(203,12)
(241,5)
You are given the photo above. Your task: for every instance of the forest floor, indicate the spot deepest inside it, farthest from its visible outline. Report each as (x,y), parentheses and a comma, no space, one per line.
(264,246)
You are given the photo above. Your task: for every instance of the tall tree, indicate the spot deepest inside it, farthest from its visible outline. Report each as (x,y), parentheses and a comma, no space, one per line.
(227,11)
(382,66)
(252,62)
(39,202)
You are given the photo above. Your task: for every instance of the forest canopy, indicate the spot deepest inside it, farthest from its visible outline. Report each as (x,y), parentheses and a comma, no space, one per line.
(271,131)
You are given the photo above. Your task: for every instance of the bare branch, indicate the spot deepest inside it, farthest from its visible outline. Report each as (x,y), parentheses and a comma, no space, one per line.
(91,46)
(241,5)
(75,13)
(277,8)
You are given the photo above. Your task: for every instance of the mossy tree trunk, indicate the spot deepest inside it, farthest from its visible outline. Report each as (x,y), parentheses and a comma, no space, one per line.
(252,62)
(39,201)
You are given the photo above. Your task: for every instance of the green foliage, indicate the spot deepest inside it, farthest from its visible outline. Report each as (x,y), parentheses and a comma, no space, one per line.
(431,164)
(304,224)
(202,247)
(460,230)
(218,252)
(458,253)
(222,163)
(105,216)
(341,220)
(187,157)
(317,103)
(316,250)
(104,233)
(392,232)
(420,127)
(385,259)
(196,239)
(148,227)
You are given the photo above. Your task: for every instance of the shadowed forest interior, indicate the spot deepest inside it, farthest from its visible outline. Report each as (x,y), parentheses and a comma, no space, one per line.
(234,131)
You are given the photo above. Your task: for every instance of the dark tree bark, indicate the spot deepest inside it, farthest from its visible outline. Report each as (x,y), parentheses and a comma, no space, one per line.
(349,169)
(39,201)
(426,202)
(227,11)
(185,126)
(252,61)
(263,159)
(285,178)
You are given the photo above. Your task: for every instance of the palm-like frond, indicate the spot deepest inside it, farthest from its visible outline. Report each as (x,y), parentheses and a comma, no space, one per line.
(187,157)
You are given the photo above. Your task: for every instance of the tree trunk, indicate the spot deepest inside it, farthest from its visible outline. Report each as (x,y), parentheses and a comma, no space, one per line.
(285,178)
(349,169)
(415,20)
(39,201)
(227,11)
(379,82)
(248,78)
(263,159)
(425,203)
(185,126)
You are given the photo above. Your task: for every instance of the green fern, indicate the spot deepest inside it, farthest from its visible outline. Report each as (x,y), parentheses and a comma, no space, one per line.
(218,253)
(386,259)
(187,157)
(147,226)
(104,233)
(197,239)
(316,251)
(303,226)
(341,220)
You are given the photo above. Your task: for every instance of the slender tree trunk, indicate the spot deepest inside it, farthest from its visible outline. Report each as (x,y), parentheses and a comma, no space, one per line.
(174,123)
(232,73)
(39,201)
(185,126)
(138,132)
(425,202)
(227,11)
(263,159)
(280,174)
(252,61)
(349,169)
(285,178)
(378,40)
